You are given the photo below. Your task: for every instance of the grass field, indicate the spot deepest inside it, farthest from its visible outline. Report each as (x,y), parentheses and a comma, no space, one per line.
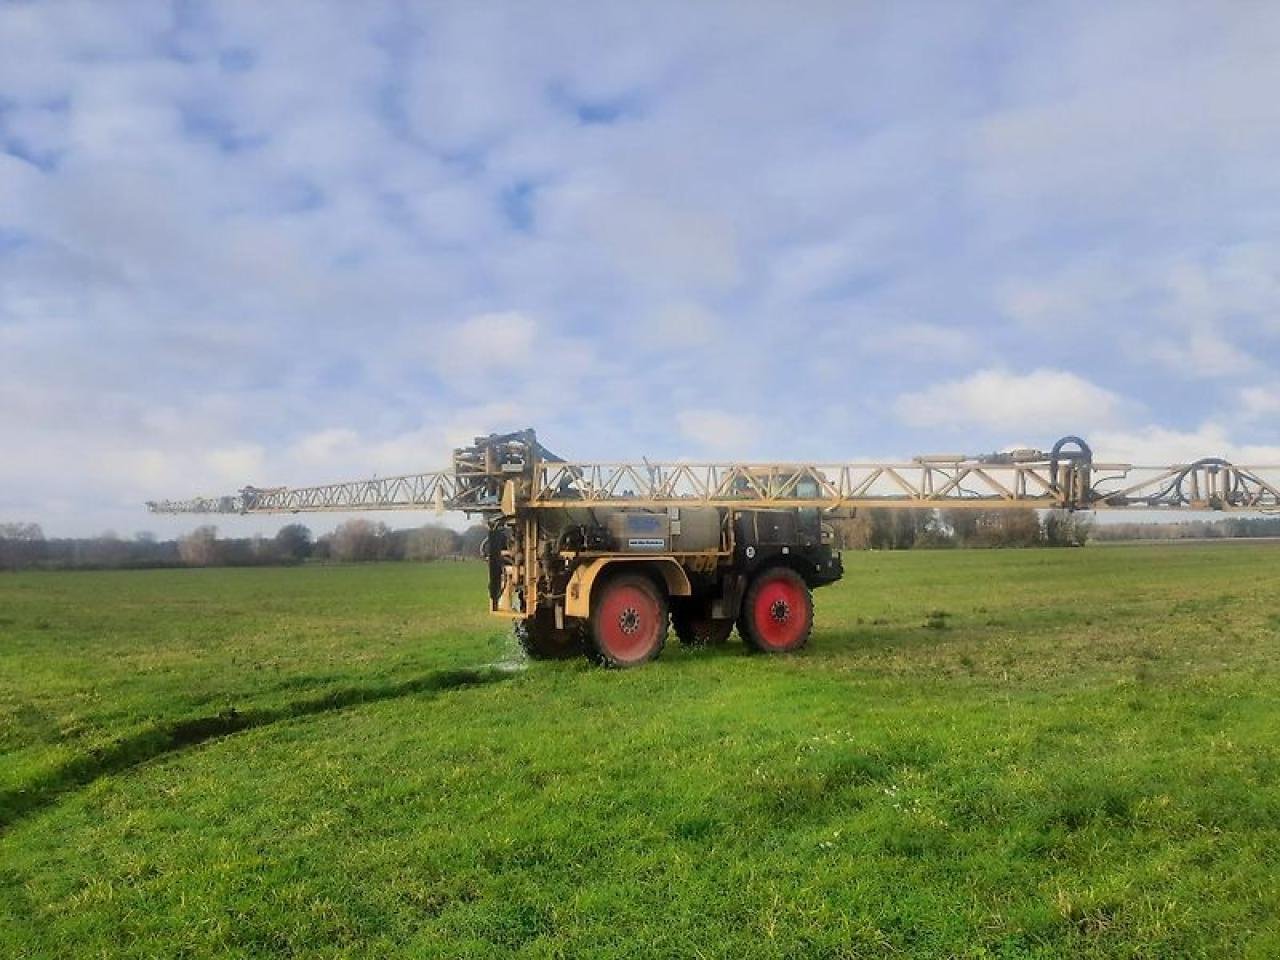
(982,754)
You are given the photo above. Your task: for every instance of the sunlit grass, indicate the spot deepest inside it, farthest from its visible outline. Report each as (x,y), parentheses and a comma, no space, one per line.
(1021,753)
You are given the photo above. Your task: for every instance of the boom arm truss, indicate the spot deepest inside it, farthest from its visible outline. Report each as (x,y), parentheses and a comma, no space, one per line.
(413,491)
(503,474)
(974,484)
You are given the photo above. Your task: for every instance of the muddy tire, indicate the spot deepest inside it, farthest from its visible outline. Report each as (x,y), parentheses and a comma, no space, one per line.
(540,640)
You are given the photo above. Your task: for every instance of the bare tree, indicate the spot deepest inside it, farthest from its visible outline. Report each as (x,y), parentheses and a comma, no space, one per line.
(963,524)
(851,532)
(360,539)
(472,539)
(21,545)
(431,542)
(997,528)
(107,550)
(293,542)
(900,529)
(1063,529)
(199,548)
(21,531)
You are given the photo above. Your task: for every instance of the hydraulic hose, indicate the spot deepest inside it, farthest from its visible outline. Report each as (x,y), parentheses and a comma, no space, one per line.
(1083,454)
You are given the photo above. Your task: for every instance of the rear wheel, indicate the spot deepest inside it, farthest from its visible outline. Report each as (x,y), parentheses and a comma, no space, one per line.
(540,640)
(697,628)
(777,612)
(628,621)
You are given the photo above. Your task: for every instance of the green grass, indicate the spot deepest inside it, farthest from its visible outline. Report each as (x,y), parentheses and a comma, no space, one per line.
(1021,753)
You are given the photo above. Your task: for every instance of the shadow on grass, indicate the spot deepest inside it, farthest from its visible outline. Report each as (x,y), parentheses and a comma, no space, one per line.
(171,737)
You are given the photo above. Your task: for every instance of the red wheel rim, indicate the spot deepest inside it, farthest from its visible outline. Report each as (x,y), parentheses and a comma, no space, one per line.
(780,613)
(628,622)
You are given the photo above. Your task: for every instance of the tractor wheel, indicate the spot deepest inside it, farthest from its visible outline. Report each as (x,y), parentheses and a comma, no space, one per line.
(540,640)
(628,621)
(777,612)
(696,628)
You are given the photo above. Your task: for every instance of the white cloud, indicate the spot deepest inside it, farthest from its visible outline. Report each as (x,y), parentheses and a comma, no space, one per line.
(488,341)
(1104,123)
(234,464)
(647,239)
(1259,402)
(1043,399)
(1188,317)
(324,446)
(719,431)
(680,325)
(1162,446)
(344,453)
(1064,299)
(1203,354)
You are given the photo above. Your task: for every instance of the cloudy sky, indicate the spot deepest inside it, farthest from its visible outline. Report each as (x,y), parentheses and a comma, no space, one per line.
(294,242)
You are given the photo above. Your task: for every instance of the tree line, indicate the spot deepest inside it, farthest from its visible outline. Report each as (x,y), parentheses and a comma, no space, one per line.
(905,529)
(1224,528)
(24,546)
(912,529)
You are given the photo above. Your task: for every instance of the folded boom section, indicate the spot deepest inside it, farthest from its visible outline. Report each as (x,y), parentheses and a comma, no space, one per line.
(417,491)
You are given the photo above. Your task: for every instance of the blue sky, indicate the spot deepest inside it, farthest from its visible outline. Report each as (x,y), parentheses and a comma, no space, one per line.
(286,243)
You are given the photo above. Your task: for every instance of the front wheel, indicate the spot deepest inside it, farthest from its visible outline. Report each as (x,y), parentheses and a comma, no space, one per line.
(777,612)
(628,621)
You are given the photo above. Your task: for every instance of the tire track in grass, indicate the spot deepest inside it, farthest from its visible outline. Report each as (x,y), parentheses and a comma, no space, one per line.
(161,739)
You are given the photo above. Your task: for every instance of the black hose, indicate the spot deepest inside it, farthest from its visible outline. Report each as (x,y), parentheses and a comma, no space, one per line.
(1083,454)
(1181,478)
(1177,483)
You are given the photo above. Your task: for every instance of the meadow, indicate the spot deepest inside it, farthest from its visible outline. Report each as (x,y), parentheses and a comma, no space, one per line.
(1024,753)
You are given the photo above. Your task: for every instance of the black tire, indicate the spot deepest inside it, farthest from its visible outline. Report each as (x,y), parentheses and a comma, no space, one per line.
(777,612)
(695,626)
(540,640)
(628,621)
